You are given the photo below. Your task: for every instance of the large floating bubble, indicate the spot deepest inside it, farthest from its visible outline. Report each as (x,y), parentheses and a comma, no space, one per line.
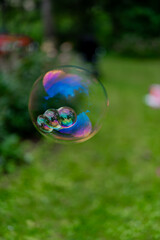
(68,104)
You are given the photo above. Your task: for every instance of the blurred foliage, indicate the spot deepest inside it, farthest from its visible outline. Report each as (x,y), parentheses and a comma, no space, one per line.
(129,28)
(109,21)
(15,123)
(11,154)
(15,87)
(102,26)
(134,45)
(104,189)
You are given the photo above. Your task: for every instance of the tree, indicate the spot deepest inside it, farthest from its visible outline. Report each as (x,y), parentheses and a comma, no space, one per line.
(47,19)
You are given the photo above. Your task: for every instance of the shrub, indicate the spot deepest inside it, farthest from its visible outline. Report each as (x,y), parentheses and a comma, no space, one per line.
(135,46)
(15,123)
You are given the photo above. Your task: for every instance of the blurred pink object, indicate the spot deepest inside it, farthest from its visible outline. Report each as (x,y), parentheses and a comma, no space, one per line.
(153,98)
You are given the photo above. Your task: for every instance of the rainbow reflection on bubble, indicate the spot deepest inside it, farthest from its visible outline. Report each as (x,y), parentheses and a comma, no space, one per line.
(67,117)
(56,82)
(82,127)
(43,124)
(53,118)
(73,101)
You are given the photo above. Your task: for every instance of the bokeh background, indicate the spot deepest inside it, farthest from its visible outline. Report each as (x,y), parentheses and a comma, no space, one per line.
(108,187)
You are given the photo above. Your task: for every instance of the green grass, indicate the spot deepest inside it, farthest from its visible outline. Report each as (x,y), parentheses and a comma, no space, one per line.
(107,188)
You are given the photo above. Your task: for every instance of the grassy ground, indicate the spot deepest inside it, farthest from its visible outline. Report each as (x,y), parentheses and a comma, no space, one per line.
(103,189)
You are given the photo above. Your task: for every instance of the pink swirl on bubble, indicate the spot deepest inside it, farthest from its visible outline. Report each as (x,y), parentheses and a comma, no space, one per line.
(50,77)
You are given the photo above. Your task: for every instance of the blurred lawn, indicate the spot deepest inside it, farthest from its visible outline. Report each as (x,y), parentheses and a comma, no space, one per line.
(103,189)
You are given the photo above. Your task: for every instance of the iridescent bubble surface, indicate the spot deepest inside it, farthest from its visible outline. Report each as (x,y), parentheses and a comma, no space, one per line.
(53,118)
(78,97)
(43,124)
(67,117)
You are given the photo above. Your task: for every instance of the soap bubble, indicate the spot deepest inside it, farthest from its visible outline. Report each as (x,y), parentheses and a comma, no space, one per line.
(53,118)
(71,102)
(67,117)
(43,124)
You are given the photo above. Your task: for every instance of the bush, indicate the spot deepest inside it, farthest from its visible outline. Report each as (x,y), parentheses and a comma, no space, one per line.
(11,154)
(102,26)
(15,123)
(135,46)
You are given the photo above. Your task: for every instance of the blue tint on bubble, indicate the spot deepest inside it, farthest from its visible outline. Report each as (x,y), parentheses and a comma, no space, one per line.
(67,117)
(73,90)
(66,86)
(82,127)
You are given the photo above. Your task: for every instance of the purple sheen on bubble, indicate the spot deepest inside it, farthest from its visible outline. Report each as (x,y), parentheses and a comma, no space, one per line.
(51,76)
(43,124)
(82,127)
(68,87)
(56,82)
(53,118)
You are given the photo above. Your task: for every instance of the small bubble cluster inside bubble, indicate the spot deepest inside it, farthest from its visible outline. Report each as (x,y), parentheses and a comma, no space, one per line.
(56,119)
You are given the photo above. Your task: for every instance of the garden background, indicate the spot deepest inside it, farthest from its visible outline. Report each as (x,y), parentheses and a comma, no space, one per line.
(108,187)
